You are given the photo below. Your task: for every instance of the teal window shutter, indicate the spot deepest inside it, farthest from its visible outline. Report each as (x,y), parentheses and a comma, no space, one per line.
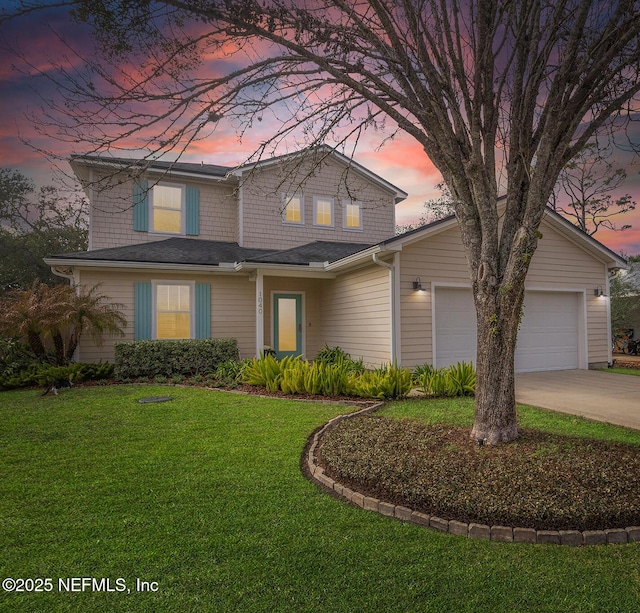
(193,211)
(142,310)
(140,206)
(203,310)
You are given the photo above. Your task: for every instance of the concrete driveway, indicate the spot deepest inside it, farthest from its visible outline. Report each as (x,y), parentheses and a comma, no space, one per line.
(595,394)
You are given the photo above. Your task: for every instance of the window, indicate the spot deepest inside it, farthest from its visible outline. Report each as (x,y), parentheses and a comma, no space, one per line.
(352,215)
(293,209)
(171,309)
(323,211)
(167,208)
(173,304)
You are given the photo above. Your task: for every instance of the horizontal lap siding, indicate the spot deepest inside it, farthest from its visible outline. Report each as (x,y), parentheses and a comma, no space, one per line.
(117,288)
(233,311)
(232,307)
(558,263)
(436,259)
(356,315)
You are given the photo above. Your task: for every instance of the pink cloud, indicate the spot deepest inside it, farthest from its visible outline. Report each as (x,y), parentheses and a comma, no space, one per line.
(401,161)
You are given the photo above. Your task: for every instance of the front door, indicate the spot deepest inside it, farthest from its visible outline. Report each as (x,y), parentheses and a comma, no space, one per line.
(287,324)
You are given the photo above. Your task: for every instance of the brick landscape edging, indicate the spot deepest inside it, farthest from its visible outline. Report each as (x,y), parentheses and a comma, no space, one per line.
(504,534)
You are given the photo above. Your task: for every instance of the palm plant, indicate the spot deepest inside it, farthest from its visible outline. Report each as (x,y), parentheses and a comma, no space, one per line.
(62,313)
(87,313)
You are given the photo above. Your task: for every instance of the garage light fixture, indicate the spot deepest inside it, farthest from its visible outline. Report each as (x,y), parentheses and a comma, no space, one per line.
(598,291)
(417,286)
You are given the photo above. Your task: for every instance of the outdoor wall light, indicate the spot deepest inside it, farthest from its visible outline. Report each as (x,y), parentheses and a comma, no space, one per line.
(598,291)
(417,286)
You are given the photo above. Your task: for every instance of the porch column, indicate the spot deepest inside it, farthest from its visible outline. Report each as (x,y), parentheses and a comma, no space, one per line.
(259,312)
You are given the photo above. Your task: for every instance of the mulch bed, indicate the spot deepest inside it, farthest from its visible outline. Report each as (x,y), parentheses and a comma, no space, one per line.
(542,481)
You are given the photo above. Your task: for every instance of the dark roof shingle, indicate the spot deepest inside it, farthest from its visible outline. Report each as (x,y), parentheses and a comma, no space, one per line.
(177,250)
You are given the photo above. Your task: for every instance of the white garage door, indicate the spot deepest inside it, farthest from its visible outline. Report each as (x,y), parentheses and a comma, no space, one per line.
(548,337)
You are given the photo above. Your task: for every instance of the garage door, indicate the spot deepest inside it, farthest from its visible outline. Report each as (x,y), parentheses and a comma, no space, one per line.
(548,337)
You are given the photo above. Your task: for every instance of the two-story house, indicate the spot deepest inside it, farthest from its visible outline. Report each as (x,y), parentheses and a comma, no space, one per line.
(299,251)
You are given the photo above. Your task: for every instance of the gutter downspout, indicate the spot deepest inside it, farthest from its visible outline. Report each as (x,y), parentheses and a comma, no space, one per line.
(392,283)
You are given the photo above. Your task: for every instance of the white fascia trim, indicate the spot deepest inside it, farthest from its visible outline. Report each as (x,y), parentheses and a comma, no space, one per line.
(313,272)
(187,175)
(363,256)
(284,270)
(109,264)
(159,171)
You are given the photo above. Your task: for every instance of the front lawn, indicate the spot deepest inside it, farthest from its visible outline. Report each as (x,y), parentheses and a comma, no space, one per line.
(204,496)
(625,371)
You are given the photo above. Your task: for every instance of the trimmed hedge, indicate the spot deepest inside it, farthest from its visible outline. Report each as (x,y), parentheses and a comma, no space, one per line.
(142,359)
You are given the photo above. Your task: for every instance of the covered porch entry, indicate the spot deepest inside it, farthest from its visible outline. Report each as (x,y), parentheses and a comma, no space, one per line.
(289,314)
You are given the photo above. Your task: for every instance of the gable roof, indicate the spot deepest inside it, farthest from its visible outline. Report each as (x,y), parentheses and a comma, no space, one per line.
(322,255)
(564,226)
(317,155)
(228,173)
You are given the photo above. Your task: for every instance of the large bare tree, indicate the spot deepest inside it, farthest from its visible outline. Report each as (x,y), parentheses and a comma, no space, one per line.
(501,94)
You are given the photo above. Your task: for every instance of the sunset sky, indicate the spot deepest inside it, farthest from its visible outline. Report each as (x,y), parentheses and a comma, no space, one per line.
(48,38)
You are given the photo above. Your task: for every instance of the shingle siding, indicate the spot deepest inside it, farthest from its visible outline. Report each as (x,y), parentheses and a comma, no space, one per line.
(112,217)
(262,192)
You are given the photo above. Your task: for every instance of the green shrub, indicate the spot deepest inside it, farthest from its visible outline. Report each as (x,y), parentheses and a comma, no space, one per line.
(456,380)
(229,372)
(419,372)
(331,355)
(146,359)
(461,379)
(387,382)
(48,374)
(264,371)
(339,357)
(14,357)
(294,377)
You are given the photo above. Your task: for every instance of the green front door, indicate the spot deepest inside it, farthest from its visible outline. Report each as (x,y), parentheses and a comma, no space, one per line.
(287,324)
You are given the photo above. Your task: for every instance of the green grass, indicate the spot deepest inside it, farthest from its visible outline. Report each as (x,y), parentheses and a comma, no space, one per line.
(204,495)
(625,371)
(459,412)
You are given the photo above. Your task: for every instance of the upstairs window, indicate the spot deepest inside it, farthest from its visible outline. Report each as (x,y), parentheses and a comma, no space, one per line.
(167,209)
(323,211)
(293,209)
(352,215)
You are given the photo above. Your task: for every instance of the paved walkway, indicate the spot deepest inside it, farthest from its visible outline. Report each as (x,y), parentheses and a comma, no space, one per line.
(595,394)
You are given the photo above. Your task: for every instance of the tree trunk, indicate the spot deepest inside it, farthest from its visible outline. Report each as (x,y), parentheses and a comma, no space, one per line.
(36,344)
(73,343)
(498,318)
(495,405)
(58,344)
